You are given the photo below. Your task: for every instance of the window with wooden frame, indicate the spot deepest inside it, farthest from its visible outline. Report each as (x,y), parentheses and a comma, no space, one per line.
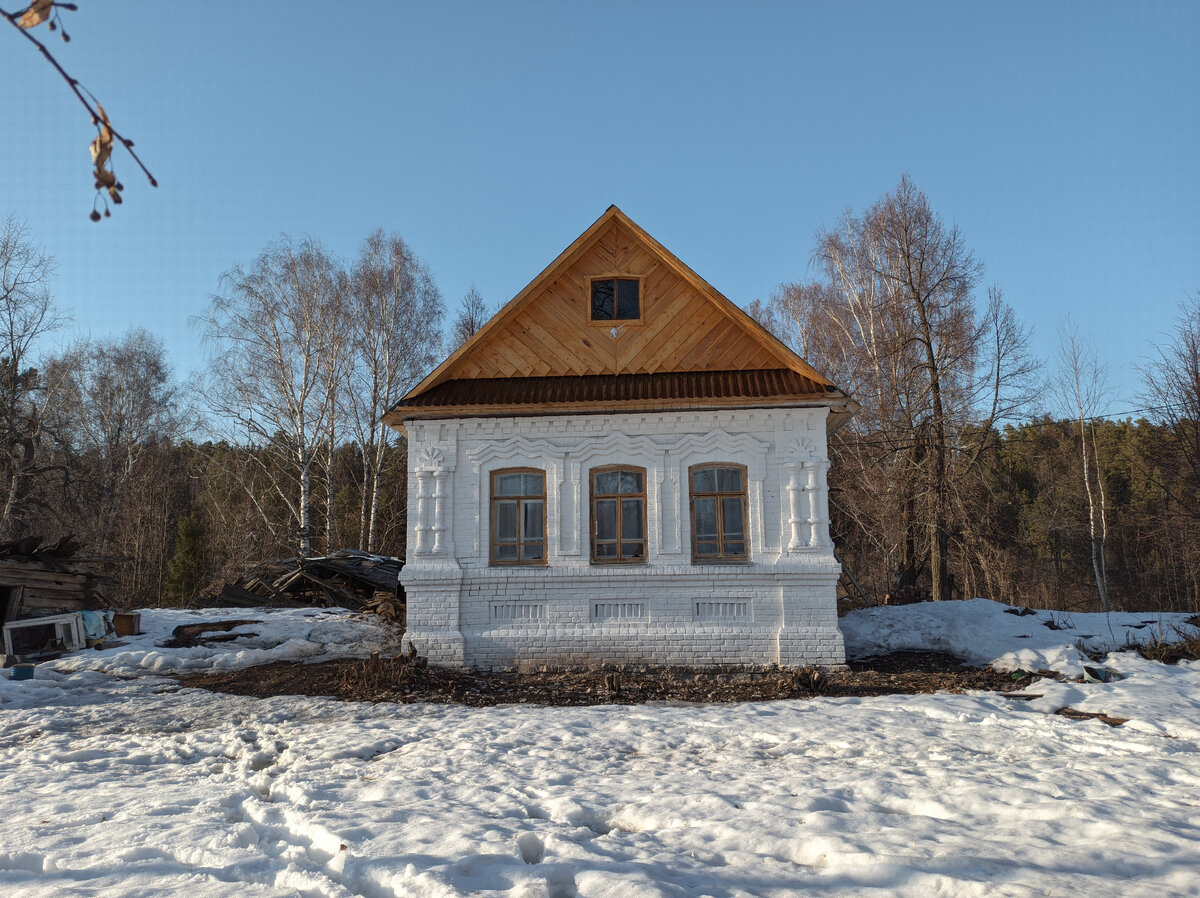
(618,515)
(719,513)
(518,533)
(616,299)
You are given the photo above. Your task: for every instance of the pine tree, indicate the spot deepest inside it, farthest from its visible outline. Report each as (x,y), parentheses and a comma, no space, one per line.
(187,564)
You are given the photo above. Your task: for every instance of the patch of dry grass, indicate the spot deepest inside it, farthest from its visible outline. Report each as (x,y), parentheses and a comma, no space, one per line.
(1186,647)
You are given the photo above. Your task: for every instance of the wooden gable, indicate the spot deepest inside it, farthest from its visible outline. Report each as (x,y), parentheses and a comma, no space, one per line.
(546,332)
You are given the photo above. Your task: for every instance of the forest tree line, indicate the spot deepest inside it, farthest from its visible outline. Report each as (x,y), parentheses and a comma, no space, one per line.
(954,479)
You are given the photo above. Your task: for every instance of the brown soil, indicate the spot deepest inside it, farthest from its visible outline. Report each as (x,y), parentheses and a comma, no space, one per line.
(409,680)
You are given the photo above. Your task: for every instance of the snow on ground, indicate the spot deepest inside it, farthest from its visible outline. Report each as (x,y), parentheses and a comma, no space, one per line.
(280,634)
(116,782)
(982,632)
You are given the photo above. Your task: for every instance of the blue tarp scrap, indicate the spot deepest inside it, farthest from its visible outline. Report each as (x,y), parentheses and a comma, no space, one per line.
(97,624)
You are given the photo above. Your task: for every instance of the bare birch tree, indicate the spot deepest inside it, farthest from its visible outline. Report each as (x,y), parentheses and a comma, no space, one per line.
(333,363)
(26,314)
(1081,386)
(898,324)
(271,333)
(395,319)
(113,400)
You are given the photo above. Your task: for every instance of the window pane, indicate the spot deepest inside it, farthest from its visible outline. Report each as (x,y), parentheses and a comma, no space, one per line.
(735,548)
(729,480)
(506,521)
(508,485)
(633,550)
(531,514)
(506,553)
(534,485)
(608,483)
(704,480)
(706,519)
(731,518)
(631,482)
(631,519)
(531,551)
(627,299)
(606,550)
(602,300)
(606,519)
(706,548)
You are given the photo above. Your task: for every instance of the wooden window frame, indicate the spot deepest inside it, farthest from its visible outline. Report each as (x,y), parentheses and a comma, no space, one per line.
(721,557)
(520,500)
(645,540)
(617,322)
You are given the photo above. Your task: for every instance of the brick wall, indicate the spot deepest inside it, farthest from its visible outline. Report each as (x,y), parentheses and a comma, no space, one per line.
(777,607)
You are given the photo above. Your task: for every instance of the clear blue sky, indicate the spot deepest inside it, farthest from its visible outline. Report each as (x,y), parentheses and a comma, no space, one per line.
(1063,138)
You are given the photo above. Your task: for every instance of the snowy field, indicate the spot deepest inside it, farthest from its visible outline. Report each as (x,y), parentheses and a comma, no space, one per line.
(115,782)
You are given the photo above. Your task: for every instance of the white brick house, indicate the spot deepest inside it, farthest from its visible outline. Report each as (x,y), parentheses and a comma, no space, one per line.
(621,466)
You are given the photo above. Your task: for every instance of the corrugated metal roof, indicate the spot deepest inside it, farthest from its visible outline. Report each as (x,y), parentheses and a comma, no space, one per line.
(773,383)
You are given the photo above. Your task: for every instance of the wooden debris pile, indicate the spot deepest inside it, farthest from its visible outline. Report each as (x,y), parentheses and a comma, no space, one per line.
(37,579)
(346,578)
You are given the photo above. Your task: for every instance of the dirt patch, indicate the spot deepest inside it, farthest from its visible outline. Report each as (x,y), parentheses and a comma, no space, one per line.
(408,680)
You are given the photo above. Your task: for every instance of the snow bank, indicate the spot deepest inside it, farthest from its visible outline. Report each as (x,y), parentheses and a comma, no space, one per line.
(982,633)
(278,634)
(1154,698)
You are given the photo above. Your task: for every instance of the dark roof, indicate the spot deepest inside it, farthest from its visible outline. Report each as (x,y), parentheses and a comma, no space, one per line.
(686,388)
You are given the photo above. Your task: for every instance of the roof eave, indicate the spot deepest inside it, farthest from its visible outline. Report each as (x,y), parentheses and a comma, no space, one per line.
(398,416)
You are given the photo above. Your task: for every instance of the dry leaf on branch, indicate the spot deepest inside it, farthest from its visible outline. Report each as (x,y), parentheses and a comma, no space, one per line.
(108,188)
(101,148)
(38,12)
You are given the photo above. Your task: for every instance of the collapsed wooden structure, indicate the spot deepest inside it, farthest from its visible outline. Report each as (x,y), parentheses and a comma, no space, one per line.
(36,580)
(347,578)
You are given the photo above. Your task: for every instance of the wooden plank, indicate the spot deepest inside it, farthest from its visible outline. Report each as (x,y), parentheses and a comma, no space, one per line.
(59,585)
(12,605)
(690,357)
(677,355)
(759,360)
(673,318)
(683,341)
(525,345)
(479,366)
(30,574)
(510,358)
(44,603)
(725,348)
(561,352)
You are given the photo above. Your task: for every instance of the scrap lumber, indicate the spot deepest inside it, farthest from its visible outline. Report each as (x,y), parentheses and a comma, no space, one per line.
(347,578)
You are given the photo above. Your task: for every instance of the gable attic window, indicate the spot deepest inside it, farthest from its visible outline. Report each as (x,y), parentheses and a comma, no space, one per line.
(616,299)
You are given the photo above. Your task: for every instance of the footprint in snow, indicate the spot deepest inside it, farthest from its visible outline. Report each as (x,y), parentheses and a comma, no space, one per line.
(532,848)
